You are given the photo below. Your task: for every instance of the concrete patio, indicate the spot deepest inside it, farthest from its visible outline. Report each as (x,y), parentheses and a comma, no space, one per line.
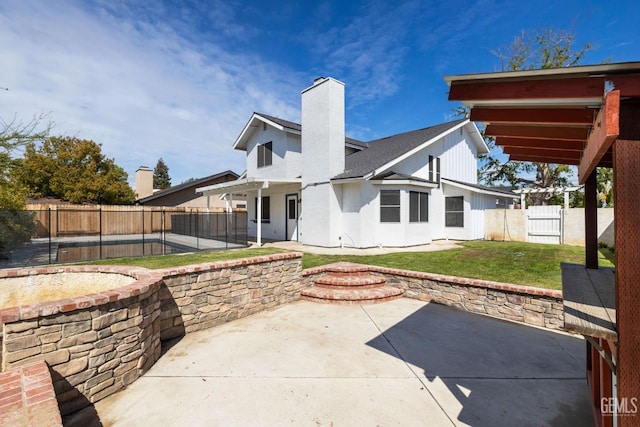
(403,363)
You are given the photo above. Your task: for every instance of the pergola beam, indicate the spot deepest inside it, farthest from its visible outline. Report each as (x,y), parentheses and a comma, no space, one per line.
(567,116)
(628,85)
(559,154)
(541,132)
(543,159)
(568,88)
(506,141)
(605,130)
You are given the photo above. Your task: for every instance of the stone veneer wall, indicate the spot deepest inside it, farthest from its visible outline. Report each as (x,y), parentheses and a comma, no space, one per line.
(201,296)
(534,306)
(95,345)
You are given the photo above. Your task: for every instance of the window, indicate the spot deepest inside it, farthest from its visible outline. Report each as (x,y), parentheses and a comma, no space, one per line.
(418,206)
(292,208)
(434,177)
(265,154)
(266,210)
(389,205)
(454,211)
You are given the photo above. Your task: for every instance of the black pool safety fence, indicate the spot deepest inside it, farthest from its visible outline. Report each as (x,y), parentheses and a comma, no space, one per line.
(50,236)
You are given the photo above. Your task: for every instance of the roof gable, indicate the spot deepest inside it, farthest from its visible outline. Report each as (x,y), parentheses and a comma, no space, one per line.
(385,152)
(283,125)
(194,183)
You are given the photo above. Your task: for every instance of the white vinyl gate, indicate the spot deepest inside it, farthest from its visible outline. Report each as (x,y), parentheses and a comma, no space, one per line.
(544,224)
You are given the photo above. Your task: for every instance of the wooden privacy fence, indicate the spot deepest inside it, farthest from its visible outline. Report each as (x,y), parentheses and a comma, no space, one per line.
(70,220)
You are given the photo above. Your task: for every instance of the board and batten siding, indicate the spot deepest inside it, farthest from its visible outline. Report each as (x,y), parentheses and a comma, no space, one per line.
(458,160)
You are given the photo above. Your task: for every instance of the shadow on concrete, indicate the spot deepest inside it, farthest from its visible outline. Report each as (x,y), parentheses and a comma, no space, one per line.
(75,408)
(488,372)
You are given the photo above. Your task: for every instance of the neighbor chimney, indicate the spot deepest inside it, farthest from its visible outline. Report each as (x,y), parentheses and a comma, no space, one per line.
(144,182)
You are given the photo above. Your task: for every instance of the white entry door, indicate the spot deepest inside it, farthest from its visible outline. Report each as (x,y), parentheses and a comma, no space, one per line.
(292,217)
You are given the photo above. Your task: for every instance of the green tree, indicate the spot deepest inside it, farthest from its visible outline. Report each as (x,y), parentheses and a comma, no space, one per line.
(532,50)
(16,225)
(605,187)
(161,178)
(74,170)
(14,136)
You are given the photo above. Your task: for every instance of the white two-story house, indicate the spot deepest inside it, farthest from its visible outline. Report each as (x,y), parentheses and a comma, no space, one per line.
(312,184)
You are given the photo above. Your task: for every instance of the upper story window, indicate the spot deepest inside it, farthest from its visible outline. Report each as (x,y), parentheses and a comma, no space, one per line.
(454,211)
(434,169)
(389,205)
(418,206)
(265,154)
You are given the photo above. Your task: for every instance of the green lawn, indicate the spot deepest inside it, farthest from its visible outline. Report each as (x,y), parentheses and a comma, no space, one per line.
(165,261)
(511,262)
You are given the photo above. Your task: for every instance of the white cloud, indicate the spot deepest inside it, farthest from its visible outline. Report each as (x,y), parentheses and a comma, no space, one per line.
(136,86)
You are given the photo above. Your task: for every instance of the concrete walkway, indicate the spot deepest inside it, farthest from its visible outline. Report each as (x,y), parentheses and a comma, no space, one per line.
(400,363)
(436,245)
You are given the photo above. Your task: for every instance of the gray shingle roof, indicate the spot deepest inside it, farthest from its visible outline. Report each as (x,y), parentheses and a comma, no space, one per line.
(504,190)
(380,151)
(195,183)
(384,150)
(297,127)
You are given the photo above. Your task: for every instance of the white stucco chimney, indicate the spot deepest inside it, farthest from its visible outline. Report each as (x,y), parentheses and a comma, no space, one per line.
(323,157)
(323,130)
(144,182)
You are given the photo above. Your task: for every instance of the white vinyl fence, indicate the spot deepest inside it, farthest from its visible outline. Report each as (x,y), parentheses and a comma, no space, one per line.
(544,224)
(562,226)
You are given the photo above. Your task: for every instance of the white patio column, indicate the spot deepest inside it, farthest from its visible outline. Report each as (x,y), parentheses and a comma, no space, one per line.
(523,204)
(259,217)
(229,200)
(566,200)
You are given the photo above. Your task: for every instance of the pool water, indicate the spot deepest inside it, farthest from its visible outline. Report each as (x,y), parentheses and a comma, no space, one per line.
(87,251)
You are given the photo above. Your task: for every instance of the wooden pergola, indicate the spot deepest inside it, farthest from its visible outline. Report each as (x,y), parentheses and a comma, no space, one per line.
(586,116)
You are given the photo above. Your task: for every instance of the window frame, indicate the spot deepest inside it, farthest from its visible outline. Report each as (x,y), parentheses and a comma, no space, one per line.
(266,208)
(421,213)
(458,213)
(391,207)
(265,154)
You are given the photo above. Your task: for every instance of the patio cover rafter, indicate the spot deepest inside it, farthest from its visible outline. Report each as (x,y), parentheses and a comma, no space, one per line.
(505,141)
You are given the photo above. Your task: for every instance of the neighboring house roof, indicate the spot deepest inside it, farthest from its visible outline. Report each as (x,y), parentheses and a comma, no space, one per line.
(384,151)
(283,125)
(186,185)
(496,191)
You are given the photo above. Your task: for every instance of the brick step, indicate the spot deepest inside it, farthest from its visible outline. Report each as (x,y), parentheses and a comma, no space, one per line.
(349,281)
(351,296)
(347,268)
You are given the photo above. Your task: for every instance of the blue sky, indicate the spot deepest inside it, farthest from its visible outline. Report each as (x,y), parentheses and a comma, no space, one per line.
(180,79)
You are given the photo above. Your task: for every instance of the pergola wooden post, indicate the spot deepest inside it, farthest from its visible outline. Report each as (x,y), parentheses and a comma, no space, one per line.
(588,117)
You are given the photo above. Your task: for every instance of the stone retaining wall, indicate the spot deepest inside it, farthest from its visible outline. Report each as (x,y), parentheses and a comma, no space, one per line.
(97,344)
(534,306)
(202,296)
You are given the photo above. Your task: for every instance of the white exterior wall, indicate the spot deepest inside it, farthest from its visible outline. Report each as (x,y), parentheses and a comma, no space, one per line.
(479,203)
(286,158)
(457,233)
(458,159)
(276,227)
(361,218)
(323,140)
